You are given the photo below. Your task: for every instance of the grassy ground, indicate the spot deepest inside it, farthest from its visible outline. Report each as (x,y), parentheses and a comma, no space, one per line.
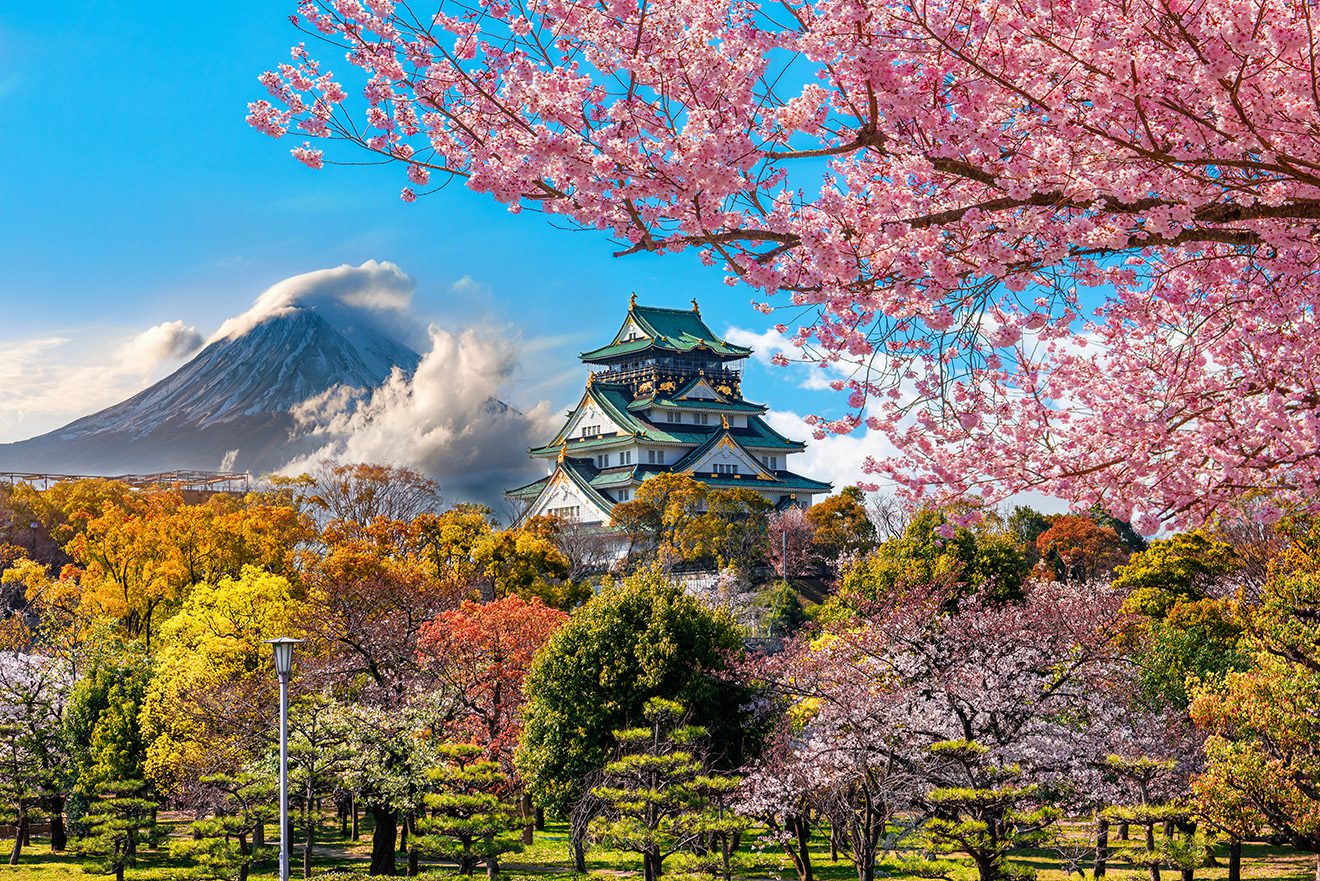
(548,859)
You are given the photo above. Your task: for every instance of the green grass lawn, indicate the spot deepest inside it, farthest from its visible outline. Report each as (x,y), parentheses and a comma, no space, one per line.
(548,859)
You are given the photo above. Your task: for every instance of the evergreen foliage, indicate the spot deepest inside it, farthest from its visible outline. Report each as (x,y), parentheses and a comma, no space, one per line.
(467,818)
(657,798)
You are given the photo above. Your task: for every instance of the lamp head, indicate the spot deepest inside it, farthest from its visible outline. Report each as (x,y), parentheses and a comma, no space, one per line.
(283,649)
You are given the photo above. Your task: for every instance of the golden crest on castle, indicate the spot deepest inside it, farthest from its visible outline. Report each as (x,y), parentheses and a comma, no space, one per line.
(666,386)
(724,389)
(645,388)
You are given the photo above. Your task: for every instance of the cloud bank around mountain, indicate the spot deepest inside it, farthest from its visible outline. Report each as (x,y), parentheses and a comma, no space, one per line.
(445,421)
(377,292)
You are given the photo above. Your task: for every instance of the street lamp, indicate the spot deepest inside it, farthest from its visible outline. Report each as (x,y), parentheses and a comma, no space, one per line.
(283,648)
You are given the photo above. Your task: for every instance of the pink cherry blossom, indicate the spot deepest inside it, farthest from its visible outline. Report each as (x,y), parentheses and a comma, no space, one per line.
(947,192)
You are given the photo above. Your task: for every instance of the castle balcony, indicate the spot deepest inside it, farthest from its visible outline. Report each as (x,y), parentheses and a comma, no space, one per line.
(659,379)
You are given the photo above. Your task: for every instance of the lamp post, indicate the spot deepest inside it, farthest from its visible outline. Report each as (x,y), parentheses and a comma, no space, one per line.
(283,649)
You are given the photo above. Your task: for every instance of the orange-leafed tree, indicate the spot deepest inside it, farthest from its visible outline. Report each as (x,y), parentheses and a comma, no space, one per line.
(480,654)
(1076,548)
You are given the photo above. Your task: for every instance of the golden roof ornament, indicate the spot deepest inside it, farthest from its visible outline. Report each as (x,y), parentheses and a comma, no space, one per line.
(563,451)
(695,307)
(724,418)
(632,301)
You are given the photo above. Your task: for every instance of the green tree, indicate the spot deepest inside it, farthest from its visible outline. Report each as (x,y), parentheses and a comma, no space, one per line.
(1142,774)
(932,549)
(637,640)
(989,815)
(1183,635)
(220,847)
(102,725)
(468,819)
(119,819)
(1174,569)
(656,797)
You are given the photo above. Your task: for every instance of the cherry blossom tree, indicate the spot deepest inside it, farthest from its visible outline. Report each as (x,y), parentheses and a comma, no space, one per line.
(875,704)
(1069,248)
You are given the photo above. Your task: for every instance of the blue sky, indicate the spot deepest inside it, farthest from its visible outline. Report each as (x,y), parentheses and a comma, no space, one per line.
(133,193)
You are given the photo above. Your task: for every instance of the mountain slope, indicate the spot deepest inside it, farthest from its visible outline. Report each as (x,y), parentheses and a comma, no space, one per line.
(235,395)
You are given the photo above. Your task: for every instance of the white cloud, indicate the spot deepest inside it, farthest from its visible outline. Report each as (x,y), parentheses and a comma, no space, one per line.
(167,341)
(47,381)
(838,458)
(446,421)
(376,289)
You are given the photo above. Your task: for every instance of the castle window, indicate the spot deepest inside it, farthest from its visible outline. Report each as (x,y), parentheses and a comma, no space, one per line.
(573,512)
(589,430)
(624,495)
(603,461)
(726,469)
(625,458)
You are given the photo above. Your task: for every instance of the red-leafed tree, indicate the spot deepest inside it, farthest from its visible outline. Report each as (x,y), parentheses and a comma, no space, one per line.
(1076,242)
(1078,548)
(480,654)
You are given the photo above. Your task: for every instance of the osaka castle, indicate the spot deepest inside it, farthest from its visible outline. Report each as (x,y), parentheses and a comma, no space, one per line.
(664,395)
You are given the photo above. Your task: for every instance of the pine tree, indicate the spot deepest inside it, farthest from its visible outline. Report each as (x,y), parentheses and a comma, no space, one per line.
(988,816)
(120,818)
(220,847)
(1143,774)
(468,815)
(657,798)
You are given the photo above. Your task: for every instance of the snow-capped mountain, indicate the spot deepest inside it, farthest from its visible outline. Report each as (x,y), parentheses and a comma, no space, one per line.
(229,407)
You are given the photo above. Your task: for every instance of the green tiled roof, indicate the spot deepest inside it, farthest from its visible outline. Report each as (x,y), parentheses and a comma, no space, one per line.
(671,330)
(528,491)
(784,480)
(668,403)
(757,435)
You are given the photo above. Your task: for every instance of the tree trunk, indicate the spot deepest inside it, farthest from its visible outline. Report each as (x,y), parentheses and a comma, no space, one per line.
(244,864)
(1235,860)
(540,819)
(354,814)
(382,840)
(59,833)
(258,835)
(529,819)
(412,858)
(986,869)
(492,860)
(800,850)
(1123,831)
(18,840)
(307,846)
(834,843)
(119,872)
(403,833)
(579,848)
(1101,847)
(1150,852)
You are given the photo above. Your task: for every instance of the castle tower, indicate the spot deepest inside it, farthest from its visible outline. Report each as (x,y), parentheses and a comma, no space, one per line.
(664,395)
